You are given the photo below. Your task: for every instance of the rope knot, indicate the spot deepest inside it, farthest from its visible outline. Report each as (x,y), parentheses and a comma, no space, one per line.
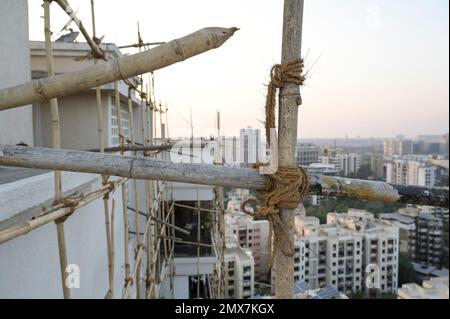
(287,187)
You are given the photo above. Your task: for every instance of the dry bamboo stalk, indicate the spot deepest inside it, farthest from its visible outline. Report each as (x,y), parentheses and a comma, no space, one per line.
(140,249)
(289,99)
(112,247)
(56,143)
(52,214)
(172,226)
(124,194)
(108,246)
(136,193)
(121,68)
(97,51)
(204,174)
(62,256)
(108,225)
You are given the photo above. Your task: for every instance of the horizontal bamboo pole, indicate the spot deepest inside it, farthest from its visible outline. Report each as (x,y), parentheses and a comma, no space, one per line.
(133,148)
(54,213)
(124,67)
(204,174)
(159,221)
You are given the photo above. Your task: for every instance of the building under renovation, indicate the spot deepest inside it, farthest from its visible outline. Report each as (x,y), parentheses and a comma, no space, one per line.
(95,202)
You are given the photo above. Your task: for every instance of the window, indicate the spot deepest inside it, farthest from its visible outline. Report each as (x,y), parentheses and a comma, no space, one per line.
(114,122)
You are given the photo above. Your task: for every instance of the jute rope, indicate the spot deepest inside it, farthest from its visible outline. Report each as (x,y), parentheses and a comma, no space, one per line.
(287,187)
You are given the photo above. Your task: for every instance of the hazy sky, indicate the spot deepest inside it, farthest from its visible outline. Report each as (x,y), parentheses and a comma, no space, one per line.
(382,65)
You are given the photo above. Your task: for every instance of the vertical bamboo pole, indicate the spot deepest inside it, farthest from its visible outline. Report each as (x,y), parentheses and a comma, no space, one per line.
(112,250)
(109,226)
(124,194)
(290,99)
(56,143)
(149,190)
(136,193)
(220,216)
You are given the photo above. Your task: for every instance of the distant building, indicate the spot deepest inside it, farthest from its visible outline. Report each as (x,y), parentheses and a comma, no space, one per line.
(411,171)
(250,145)
(376,166)
(250,234)
(347,164)
(307,153)
(323,169)
(398,147)
(429,240)
(337,253)
(435,288)
(239,272)
(421,235)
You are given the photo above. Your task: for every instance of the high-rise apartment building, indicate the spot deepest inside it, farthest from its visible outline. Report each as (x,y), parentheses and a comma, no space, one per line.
(339,253)
(307,154)
(239,272)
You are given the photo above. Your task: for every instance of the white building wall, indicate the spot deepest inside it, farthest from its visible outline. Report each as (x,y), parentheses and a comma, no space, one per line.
(16,124)
(29,265)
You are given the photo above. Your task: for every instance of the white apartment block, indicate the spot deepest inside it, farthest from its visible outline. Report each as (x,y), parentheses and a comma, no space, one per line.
(398,147)
(435,288)
(250,146)
(347,163)
(250,234)
(307,153)
(411,171)
(239,272)
(338,253)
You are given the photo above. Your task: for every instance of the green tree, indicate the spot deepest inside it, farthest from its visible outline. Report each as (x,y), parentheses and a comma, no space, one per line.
(406,273)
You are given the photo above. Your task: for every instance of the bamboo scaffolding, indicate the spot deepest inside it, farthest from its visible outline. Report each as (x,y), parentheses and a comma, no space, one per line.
(172,226)
(109,225)
(56,143)
(125,67)
(122,188)
(147,138)
(139,250)
(136,193)
(204,174)
(196,208)
(96,50)
(112,250)
(289,100)
(133,148)
(56,212)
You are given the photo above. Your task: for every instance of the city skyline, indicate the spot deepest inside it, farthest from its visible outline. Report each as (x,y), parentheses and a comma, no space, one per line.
(389,57)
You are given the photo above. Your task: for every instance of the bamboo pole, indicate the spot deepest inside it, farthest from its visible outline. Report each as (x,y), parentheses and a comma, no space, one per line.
(96,50)
(108,224)
(172,226)
(54,213)
(139,250)
(112,248)
(133,148)
(121,68)
(147,138)
(136,193)
(56,143)
(204,174)
(290,99)
(123,189)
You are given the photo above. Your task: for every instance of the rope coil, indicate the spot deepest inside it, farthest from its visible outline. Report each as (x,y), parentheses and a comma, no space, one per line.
(288,186)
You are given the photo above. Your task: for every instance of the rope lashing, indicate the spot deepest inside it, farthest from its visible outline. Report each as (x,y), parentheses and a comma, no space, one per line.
(288,186)
(280,74)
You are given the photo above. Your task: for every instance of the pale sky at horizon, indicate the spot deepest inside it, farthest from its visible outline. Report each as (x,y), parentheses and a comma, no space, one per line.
(382,65)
